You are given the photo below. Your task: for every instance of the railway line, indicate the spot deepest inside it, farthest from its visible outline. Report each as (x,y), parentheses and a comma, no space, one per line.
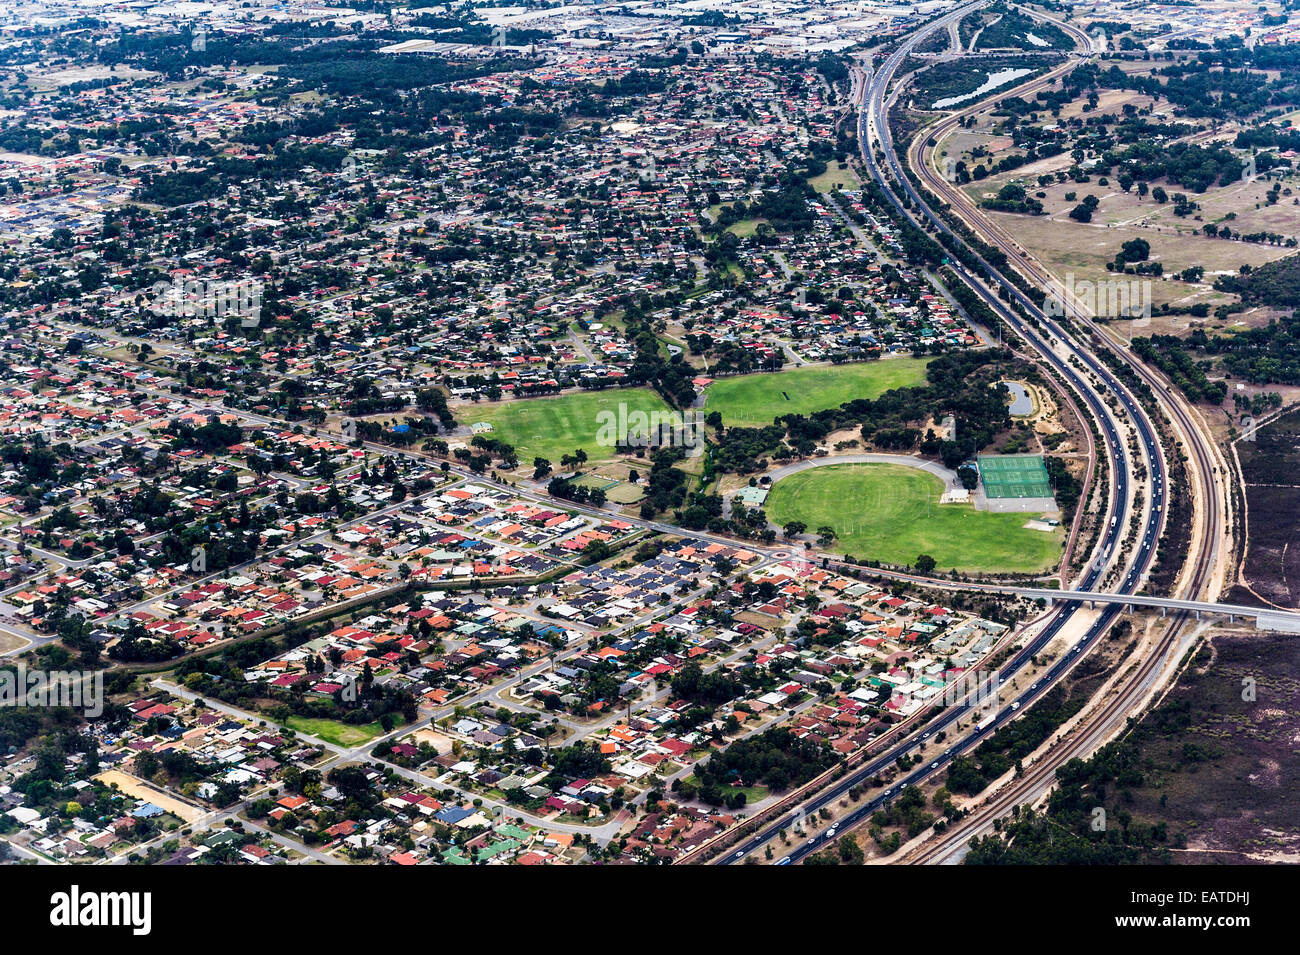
(1207,461)
(1077,365)
(1134,688)
(871,118)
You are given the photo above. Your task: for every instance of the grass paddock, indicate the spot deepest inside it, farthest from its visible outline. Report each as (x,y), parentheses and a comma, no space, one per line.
(755,400)
(552,427)
(891,513)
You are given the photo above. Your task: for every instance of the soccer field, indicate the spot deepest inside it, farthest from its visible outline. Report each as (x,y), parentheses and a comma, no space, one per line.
(754,400)
(551,427)
(891,513)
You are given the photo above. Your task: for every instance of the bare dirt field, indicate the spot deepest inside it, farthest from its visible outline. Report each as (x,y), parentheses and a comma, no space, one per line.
(66,77)
(438,741)
(142,790)
(1069,248)
(1082,250)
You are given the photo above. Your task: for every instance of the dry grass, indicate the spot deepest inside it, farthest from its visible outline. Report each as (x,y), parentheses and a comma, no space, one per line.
(9,642)
(140,789)
(1066,247)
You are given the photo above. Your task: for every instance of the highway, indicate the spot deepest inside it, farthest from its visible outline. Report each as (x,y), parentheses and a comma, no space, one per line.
(873,126)
(1060,352)
(1205,459)
(1203,554)
(1135,686)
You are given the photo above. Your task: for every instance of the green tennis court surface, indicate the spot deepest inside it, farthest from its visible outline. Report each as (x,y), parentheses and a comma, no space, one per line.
(1014,475)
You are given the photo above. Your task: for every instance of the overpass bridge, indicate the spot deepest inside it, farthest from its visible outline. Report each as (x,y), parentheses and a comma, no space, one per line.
(999,54)
(1266,618)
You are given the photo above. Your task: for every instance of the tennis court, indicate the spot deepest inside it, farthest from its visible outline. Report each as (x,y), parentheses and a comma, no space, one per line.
(1014,476)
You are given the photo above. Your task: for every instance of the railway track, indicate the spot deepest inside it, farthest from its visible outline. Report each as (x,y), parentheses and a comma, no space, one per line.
(1134,688)
(1088,378)
(1081,743)
(1081,380)
(995,235)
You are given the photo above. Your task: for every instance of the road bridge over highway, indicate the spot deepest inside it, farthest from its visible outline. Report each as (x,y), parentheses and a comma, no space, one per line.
(1266,618)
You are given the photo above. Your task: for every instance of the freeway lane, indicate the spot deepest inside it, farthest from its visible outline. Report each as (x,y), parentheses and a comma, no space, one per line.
(949,717)
(1004,715)
(1208,528)
(873,120)
(1205,461)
